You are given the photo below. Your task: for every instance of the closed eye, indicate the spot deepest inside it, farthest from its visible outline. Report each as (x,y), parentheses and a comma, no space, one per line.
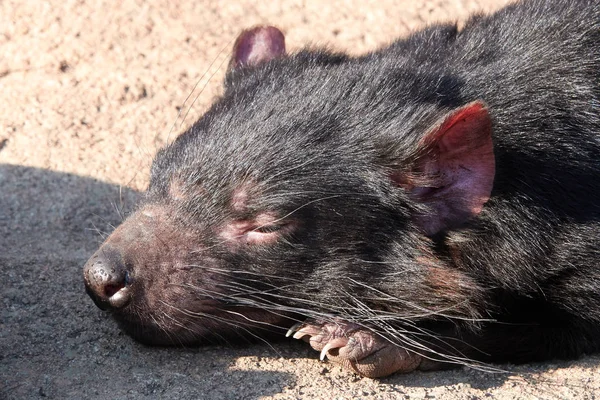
(267,228)
(263,230)
(267,234)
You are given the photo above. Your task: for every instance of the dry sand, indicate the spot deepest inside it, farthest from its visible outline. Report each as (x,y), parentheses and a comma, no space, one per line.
(89,91)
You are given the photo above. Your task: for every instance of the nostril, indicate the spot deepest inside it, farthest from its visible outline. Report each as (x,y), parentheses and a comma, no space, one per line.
(107,279)
(110,290)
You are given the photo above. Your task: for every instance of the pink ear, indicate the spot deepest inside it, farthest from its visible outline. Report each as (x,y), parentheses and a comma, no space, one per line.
(454,176)
(257,45)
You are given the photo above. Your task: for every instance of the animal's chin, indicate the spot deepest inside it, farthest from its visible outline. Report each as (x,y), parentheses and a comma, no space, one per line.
(249,326)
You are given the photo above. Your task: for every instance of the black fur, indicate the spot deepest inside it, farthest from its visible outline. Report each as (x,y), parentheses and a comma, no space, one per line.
(313,138)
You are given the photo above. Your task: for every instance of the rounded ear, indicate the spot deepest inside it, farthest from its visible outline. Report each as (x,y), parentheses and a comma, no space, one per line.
(454,176)
(257,45)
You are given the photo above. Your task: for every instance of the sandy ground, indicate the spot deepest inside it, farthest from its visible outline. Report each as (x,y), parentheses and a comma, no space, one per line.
(89,90)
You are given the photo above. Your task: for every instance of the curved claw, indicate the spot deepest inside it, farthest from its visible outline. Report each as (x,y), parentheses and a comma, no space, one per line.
(333,344)
(305,330)
(324,351)
(293,329)
(299,335)
(358,348)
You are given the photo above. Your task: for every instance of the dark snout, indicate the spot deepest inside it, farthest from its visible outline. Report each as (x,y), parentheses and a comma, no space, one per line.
(107,279)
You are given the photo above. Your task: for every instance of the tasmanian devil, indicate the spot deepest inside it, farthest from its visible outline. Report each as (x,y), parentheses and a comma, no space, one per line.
(434,202)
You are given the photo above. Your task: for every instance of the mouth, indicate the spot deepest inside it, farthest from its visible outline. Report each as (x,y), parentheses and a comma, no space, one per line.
(213,324)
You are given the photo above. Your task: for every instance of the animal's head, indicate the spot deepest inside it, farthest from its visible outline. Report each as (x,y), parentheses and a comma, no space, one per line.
(312,187)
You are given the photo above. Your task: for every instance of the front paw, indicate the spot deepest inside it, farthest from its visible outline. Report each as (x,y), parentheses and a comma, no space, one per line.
(356,348)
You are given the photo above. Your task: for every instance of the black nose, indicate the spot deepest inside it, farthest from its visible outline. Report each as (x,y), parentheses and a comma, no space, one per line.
(107,280)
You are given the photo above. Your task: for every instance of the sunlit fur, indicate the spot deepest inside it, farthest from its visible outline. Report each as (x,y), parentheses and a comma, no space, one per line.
(312,139)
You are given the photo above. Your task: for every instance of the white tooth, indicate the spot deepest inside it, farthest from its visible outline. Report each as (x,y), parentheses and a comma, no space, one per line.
(327,347)
(293,329)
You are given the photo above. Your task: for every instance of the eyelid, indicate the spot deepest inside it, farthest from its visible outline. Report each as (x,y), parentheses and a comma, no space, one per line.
(263,229)
(268,228)
(267,234)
